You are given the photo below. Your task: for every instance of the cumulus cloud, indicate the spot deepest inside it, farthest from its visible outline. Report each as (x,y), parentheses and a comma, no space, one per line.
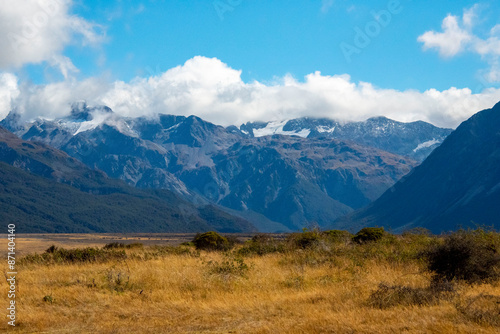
(451,41)
(210,89)
(8,92)
(35,31)
(458,36)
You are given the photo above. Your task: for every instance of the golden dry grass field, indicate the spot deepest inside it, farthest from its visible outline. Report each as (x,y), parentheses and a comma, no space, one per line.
(268,287)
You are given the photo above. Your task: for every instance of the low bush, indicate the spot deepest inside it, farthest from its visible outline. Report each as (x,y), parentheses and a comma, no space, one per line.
(229,267)
(387,296)
(211,241)
(466,256)
(233,241)
(417,231)
(113,245)
(338,235)
(86,255)
(262,238)
(261,244)
(78,255)
(482,309)
(49,299)
(173,250)
(51,249)
(369,234)
(306,239)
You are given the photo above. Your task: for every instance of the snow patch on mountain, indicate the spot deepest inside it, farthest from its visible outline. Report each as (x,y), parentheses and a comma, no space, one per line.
(276,128)
(427,144)
(323,129)
(98,119)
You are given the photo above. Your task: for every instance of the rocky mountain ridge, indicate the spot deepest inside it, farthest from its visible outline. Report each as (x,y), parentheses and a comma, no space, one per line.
(288,180)
(415,140)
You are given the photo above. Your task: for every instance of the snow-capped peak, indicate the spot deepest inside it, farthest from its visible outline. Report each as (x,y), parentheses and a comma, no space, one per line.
(276,128)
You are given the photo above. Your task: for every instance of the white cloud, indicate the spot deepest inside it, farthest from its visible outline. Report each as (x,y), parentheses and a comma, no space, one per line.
(208,88)
(64,64)
(450,42)
(34,31)
(458,36)
(8,92)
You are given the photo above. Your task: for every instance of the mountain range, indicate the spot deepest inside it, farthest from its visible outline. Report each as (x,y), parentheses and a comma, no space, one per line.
(278,182)
(42,189)
(415,140)
(458,185)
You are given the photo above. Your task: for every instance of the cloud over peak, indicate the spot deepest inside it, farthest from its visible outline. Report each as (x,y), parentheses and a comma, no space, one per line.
(211,89)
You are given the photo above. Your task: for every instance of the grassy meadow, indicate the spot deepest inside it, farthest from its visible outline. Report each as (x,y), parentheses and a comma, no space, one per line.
(311,282)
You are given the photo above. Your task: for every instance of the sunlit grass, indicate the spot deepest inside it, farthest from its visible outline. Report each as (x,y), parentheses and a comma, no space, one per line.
(322,289)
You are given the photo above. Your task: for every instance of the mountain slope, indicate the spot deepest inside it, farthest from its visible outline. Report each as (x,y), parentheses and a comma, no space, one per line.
(45,190)
(458,184)
(295,180)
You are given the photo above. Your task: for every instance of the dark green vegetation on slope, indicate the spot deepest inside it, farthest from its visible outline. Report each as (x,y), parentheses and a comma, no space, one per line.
(37,204)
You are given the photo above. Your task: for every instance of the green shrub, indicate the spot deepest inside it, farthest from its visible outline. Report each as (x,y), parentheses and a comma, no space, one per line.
(211,241)
(338,235)
(49,299)
(51,249)
(135,245)
(369,234)
(466,256)
(262,238)
(233,241)
(77,255)
(261,244)
(306,239)
(113,245)
(88,254)
(417,231)
(229,267)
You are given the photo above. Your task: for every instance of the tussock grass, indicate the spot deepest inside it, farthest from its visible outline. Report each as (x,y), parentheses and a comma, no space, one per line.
(332,285)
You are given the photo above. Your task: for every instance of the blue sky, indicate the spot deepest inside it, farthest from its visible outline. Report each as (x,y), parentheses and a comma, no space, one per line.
(273,38)
(399,47)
